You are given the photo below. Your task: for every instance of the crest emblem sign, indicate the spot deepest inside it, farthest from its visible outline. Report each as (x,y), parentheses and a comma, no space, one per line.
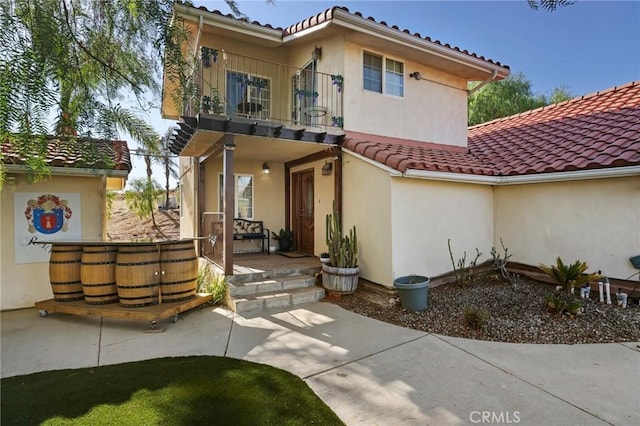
(48,214)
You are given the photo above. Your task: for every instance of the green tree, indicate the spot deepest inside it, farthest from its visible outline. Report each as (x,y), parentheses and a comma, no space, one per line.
(549,5)
(82,62)
(168,161)
(79,61)
(142,196)
(507,97)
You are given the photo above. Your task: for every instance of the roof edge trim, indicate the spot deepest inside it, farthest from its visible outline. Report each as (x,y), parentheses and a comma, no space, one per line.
(70,171)
(228,23)
(524,179)
(391,171)
(353,21)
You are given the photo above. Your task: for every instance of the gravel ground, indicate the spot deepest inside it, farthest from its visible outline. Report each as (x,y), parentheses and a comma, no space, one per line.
(516,314)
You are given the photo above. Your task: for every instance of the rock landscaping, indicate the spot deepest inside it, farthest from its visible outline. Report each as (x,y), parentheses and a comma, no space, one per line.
(490,308)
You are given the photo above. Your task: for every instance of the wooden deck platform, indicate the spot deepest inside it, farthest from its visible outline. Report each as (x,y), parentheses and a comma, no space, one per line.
(152,313)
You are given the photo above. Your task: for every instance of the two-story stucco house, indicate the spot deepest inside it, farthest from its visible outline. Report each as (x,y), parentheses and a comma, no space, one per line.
(347,108)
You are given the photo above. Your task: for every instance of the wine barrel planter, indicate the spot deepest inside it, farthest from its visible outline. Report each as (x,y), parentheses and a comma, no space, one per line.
(340,280)
(64,273)
(179,271)
(98,274)
(138,275)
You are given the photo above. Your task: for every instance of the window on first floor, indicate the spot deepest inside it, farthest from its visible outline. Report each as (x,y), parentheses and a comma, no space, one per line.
(382,72)
(243,195)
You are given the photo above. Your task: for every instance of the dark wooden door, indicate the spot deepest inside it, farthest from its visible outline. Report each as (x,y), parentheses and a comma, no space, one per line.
(303,214)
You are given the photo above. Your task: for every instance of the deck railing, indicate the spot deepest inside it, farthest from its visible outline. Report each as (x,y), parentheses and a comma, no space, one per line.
(239,86)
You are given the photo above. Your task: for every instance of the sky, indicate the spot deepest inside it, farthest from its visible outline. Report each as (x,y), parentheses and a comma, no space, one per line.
(587,47)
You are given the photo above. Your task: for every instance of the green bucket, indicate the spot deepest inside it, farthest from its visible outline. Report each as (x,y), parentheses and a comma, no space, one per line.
(412,290)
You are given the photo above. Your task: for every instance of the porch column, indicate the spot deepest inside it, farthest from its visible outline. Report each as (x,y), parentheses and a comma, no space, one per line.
(228,203)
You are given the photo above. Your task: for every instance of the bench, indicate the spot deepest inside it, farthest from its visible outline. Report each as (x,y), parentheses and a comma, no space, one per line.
(244,229)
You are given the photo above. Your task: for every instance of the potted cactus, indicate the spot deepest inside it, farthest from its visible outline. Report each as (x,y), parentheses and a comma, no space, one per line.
(340,274)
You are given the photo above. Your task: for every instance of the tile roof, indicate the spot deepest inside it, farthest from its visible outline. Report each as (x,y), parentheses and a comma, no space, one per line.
(597,131)
(403,154)
(328,15)
(73,152)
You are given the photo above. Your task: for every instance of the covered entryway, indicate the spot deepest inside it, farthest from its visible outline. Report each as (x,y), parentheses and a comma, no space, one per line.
(257,172)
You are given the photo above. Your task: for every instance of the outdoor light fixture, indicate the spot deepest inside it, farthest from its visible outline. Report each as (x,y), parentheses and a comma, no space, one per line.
(265,169)
(317,53)
(415,75)
(327,168)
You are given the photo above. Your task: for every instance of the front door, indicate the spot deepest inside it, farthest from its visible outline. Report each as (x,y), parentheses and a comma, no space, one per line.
(303,211)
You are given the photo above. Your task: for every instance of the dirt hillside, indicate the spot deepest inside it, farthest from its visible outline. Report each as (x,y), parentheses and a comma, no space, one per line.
(123,224)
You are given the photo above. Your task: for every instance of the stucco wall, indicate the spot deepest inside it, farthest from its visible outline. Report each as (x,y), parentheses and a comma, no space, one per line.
(26,283)
(597,221)
(425,214)
(268,191)
(365,203)
(433,109)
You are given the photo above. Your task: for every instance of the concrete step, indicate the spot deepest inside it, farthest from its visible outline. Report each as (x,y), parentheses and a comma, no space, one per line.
(272,275)
(276,299)
(270,285)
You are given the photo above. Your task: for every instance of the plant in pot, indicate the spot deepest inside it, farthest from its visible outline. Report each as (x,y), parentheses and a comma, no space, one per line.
(284,239)
(340,274)
(324,257)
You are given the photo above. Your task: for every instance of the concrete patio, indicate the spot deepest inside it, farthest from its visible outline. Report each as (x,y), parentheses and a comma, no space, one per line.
(368,372)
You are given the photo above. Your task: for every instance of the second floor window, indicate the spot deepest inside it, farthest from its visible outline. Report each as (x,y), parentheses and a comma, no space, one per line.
(248,95)
(374,71)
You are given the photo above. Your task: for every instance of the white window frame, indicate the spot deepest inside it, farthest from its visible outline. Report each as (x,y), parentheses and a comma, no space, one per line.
(384,59)
(236,194)
(251,94)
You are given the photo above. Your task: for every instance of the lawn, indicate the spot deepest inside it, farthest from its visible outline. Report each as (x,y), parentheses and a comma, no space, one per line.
(168,391)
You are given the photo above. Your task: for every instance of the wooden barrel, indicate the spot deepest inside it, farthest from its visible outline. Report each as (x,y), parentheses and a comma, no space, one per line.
(138,275)
(179,271)
(64,273)
(98,274)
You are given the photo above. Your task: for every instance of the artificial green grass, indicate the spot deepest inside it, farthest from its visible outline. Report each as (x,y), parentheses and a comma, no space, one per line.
(168,391)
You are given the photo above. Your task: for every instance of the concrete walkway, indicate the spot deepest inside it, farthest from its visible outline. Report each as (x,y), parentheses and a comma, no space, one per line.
(368,372)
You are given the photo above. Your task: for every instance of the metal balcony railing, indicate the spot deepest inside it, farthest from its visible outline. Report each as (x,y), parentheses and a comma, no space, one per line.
(238,86)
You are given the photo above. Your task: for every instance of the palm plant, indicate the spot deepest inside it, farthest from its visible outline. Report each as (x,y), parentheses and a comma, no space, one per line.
(569,276)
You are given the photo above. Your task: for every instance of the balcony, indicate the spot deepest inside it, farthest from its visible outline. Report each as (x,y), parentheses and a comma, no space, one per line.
(240,87)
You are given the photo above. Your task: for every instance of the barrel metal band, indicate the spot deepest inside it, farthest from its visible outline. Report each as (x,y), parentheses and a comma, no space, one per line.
(138,263)
(179,260)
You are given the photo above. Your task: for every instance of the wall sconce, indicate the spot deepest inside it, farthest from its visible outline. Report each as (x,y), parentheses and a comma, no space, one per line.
(327,168)
(415,75)
(265,169)
(317,53)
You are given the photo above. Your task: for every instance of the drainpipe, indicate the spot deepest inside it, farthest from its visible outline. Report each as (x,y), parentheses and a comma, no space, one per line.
(487,81)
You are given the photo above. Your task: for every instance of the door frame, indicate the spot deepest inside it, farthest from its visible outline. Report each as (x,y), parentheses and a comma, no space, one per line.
(298,197)
(333,153)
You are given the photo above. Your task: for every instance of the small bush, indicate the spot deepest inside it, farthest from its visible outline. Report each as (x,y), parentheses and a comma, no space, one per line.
(465,274)
(569,276)
(562,304)
(209,282)
(475,318)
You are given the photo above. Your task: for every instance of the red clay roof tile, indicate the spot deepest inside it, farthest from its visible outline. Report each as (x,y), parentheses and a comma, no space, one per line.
(327,15)
(73,152)
(595,131)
